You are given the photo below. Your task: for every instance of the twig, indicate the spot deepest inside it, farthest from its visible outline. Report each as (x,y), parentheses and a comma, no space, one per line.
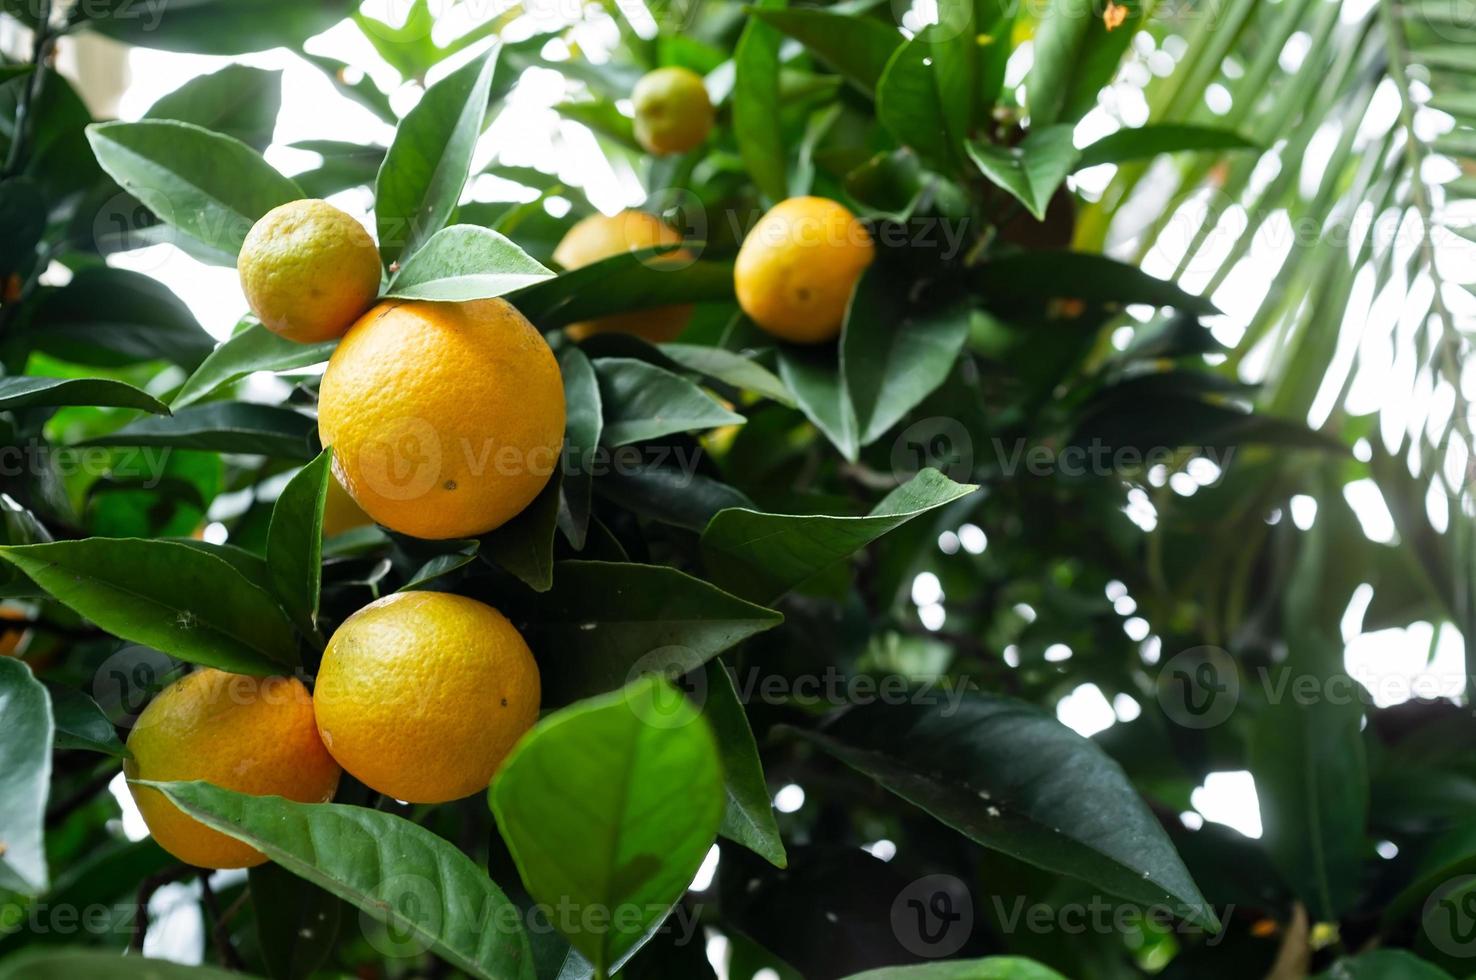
(220,925)
(39,50)
(146,891)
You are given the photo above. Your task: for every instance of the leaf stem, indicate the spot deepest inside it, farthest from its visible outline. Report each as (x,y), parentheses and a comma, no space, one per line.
(39,51)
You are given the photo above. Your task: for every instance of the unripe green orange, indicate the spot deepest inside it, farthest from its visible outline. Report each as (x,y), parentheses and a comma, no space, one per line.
(673,113)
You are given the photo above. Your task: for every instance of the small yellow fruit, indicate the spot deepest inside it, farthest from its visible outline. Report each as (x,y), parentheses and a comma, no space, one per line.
(340,513)
(249,734)
(422,694)
(600,237)
(798,266)
(308,271)
(672,111)
(445,419)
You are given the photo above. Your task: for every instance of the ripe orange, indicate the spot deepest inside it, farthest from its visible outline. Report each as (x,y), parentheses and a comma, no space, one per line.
(422,694)
(673,113)
(308,270)
(445,419)
(11,637)
(798,266)
(248,734)
(599,237)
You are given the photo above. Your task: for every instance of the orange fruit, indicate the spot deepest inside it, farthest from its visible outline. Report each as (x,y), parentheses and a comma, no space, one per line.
(673,113)
(446,419)
(798,266)
(602,236)
(308,270)
(249,734)
(422,694)
(11,637)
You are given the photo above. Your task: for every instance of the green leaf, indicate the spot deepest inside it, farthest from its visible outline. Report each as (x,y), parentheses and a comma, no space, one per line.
(83,964)
(1384,964)
(1074,52)
(583,423)
(524,545)
(894,352)
(223,427)
(604,118)
(254,349)
(23,216)
(33,392)
(25,777)
(761,556)
(642,401)
(990,968)
(1032,171)
(221,27)
(928,95)
(857,47)
(294,550)
(813,374)
(1014,779)
(112,317)
(757,125)
(1042,276)
(209,186)
(296,923)
(442,565)
(622,284)
(597,625)
(1151,140)
(182,600)
(81,724)
(732,368)
(612,804)
(428,162)
(465,262)
(237,101)
(748,816)
(394,871)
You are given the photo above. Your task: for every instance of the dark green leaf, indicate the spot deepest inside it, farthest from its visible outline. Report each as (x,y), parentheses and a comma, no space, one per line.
(524,545)
(1384,964)
(1041,276)
(295,542)
(1032,171)
(600,620)
(238,101)
(642,401)
(622,284)
(857,47)
(81,724)
(30,392)
(748,817)
(895,352)
(82,964)
(221,27)
(442,565)
(813,375)
(756,120)
(209,186)
(612,804)
(428,162)
(762,556)
(170,596)
(731,368)
(296,922)
(23,216)
(394,871)
(25,777)
(111,317)
(254,349)
(584,421)
(465,262)
(1014,779)
(993,968)
(223,427)
(1147,141)
(675,495)
(604,118)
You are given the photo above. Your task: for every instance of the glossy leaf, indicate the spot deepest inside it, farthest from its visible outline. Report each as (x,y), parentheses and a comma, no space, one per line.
(112,317)
(29,392)
(209,186)
(1014,779)
(182,600)
(253,349)
(731,368)
(857,47)
(596,627)
(642,401)
(428,162)
(761,556)
(612,804)
(584,422)
(294,550)
(465,262)
(81,724)
(815,379)
(1032,171)
(992,968)
(393,870)
(639,280)
(756,120)
(296,923)
(87,964)
(524,546)
(25,778)
(1041,276)
(237,101)
(223,427)
(748,816)
(1151,140)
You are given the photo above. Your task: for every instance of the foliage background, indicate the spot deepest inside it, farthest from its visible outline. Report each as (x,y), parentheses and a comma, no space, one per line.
(1317,278)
